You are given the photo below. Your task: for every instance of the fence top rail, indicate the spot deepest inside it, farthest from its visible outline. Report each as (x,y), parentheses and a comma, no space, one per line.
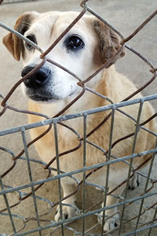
(76,115)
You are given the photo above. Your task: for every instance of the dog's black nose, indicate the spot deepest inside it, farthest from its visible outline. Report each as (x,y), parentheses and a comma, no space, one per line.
(37,79)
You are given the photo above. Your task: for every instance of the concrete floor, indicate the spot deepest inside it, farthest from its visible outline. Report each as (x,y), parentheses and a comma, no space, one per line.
(126,16)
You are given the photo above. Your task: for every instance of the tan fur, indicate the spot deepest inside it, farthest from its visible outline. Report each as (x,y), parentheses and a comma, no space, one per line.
(103,44)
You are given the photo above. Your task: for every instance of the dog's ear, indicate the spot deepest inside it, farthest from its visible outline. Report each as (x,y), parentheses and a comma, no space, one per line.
(109,43)
(12,42)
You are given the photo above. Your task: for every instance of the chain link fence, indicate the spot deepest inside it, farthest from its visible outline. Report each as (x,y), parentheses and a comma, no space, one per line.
(41,220)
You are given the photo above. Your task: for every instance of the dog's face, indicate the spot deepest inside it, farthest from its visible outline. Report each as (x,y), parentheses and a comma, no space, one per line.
(82,50)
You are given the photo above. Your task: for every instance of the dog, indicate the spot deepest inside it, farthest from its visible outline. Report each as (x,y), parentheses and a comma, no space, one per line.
(83,50)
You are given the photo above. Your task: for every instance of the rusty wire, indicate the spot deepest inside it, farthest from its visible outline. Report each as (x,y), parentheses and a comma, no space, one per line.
(82,84)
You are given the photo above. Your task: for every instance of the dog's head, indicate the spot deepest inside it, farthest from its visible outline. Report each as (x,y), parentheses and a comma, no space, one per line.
(88,45)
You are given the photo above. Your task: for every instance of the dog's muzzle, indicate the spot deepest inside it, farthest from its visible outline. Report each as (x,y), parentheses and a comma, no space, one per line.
(38,79)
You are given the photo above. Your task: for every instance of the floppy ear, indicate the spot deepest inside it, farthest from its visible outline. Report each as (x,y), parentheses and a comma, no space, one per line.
(12,42)
(109,43)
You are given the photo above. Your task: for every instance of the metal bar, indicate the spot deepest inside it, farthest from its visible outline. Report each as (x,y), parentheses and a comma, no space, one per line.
(76,115)
(131,161)
(58,172)
(84,173)
(153,220)
(80,170)
(108,156)
(31,178)
(91,213)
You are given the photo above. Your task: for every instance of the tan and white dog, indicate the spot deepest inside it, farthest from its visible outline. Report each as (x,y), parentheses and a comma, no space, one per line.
(84,49)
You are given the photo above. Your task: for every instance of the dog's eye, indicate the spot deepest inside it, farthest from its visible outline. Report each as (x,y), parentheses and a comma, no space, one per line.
(74,43)
(31,38)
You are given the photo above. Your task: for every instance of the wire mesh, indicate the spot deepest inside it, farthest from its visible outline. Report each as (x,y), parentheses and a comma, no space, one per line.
(42,221)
